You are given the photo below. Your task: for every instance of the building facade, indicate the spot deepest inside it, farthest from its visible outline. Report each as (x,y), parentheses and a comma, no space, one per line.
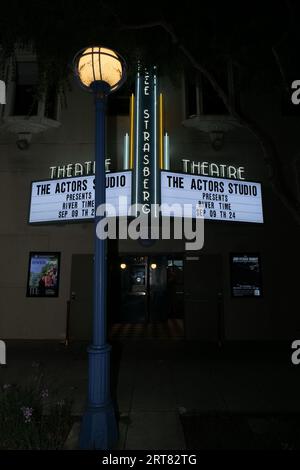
(239,286)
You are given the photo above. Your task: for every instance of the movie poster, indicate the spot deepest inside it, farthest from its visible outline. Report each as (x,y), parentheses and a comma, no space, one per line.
(246,275)
(43,274)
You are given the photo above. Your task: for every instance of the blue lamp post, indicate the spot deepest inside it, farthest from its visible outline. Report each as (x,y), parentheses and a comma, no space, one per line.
(100,71)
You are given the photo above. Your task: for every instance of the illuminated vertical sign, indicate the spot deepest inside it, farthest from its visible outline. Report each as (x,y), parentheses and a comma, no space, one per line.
(146,165)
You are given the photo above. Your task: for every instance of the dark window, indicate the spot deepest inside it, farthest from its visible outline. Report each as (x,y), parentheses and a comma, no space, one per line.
(202,98)
(212,103)
(26,100)
(234,85)
(51,102)
(191,104)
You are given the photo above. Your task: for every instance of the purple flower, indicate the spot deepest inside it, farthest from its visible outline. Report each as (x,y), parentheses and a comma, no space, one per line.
(27,413)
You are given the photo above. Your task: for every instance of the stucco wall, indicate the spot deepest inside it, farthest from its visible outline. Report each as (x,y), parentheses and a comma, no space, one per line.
(273,316)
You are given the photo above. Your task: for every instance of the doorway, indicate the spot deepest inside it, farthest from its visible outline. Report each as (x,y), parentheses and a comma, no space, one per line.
(152,296)
(151,289)
(203,298)
(80,319)
(145,296)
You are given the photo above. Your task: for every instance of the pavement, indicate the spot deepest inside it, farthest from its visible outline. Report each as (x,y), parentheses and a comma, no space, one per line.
(156,382)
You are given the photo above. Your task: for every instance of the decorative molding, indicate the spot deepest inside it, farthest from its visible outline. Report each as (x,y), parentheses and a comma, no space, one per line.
(214,125)
(211,123)
(31,124)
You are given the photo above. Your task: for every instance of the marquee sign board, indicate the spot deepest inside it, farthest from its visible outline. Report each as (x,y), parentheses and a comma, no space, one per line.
(212,190)
(73,199)
(212,198)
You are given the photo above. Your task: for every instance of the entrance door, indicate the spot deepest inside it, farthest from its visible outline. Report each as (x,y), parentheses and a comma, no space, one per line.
(202,281)
(158,296)
(140,289)
(134,290)
(81,299)
(144,296)
(175,287)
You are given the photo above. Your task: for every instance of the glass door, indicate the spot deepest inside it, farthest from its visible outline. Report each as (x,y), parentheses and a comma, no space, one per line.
(134,290)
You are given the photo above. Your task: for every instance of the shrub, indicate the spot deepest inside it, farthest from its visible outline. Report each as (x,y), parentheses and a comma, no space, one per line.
(32,418)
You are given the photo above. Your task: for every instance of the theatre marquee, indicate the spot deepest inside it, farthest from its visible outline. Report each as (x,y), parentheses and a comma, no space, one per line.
(212,198)
(73,199)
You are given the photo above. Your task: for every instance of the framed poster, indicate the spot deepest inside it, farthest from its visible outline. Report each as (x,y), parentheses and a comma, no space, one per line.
(246,278)
(43,274)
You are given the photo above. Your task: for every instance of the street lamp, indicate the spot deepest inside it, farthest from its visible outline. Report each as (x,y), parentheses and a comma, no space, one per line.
(100,71)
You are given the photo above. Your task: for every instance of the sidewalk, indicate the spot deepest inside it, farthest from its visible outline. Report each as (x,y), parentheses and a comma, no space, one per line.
(156,381)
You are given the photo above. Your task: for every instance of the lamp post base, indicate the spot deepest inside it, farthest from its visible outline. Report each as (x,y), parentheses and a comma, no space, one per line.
(99,429)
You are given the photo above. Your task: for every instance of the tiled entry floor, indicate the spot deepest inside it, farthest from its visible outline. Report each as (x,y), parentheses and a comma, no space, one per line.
(170,329)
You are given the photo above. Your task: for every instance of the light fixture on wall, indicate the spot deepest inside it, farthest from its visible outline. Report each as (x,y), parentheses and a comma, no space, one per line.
(23,141)
(123,266)
(217,139)
(153,266)
(214,125)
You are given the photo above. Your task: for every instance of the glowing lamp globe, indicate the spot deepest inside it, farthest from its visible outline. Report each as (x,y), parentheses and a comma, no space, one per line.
(101,66)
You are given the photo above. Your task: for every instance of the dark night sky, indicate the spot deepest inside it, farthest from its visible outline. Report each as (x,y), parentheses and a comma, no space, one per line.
(213,31)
